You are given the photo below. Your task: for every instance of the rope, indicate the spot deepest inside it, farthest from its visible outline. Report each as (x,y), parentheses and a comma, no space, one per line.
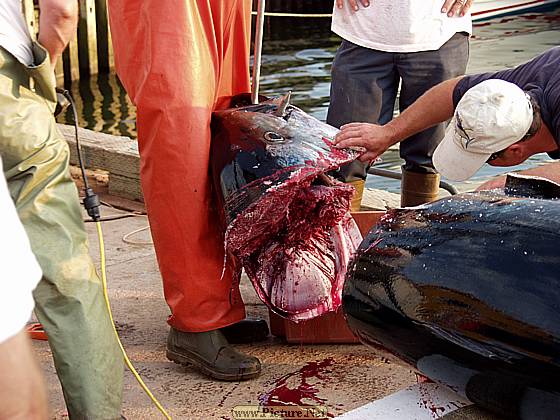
(296,15)
(126,237)
(257,54)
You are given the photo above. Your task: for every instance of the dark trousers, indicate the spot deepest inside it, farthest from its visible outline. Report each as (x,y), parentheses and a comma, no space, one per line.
(364,88)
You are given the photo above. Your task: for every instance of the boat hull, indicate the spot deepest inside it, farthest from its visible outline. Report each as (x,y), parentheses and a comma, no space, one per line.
(489,9)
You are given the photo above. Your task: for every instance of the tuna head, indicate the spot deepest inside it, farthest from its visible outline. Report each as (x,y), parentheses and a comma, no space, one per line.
(287,221)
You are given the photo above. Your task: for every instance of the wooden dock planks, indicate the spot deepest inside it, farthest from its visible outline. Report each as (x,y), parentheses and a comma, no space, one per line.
(117,155)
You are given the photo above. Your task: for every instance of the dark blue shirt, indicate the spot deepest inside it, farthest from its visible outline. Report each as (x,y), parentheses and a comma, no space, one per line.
(540,77)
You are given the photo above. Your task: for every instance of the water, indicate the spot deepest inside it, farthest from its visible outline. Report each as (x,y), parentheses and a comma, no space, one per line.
(297,56)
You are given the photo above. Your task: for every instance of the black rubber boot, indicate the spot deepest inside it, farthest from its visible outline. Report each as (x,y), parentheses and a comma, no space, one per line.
(248,330)
(211,353)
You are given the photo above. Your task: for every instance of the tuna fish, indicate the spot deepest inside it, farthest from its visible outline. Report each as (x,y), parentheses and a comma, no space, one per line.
(288,223)
(466,290)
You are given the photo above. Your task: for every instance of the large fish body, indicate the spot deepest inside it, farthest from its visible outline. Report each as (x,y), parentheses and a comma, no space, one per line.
(467,291)
(288,223)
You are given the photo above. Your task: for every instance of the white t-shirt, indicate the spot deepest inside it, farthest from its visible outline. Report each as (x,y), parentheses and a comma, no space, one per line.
(19,270)
(398,26)
(14,35)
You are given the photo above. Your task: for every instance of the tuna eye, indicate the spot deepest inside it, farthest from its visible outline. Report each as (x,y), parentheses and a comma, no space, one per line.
(272,137)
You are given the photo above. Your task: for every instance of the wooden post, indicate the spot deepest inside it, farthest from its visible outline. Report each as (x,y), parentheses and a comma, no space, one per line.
(29,13)
(70,61)
(103,37)
(87,38)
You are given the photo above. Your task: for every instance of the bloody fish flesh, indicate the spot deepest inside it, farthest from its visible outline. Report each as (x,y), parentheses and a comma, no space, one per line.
(288,223)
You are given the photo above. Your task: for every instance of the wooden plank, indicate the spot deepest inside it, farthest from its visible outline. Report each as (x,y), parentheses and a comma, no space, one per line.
(374,199)
(87,38)
(121,186)
(115,154)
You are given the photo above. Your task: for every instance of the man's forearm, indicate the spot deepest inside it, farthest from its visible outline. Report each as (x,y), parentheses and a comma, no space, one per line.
(22,390)
(433,107)
(57,25)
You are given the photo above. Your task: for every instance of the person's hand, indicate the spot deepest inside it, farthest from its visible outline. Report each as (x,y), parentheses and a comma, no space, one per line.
(352,3)
(375,139)
(456,7)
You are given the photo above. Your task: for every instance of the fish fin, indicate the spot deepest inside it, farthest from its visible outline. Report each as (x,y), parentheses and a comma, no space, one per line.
(283,102)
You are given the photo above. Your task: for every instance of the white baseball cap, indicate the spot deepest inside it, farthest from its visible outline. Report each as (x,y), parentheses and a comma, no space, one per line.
(490,116)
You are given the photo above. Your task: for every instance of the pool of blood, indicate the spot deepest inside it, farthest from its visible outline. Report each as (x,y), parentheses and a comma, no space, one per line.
(299,388)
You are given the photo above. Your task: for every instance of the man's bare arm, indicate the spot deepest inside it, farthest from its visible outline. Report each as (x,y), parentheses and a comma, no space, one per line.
(433,107)
(22,390)
(57,24)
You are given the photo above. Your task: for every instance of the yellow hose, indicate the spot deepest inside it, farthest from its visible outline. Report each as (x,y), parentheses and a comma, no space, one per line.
(125,356)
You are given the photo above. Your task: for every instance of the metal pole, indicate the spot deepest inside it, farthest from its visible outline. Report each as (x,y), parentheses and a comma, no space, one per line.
(257,52)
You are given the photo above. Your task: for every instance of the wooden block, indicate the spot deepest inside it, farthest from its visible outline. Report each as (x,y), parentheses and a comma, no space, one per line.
(117,155)
(374,199)
(366,220)
(325,329)
(129,188)
(114,154)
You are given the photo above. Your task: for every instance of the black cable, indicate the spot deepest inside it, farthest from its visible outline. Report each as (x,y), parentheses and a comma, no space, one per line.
(91,200)
(111,218)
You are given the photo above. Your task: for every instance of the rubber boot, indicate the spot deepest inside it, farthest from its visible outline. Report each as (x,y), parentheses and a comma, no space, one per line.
(211,353)
(356,202)
(418,188)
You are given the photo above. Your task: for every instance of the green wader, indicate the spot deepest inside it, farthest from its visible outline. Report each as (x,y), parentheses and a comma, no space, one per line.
(69,299)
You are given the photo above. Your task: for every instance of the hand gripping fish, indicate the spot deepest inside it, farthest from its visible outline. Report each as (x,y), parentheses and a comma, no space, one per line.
(288,223)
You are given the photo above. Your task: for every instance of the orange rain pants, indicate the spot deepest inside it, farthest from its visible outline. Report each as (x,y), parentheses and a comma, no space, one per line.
(178,61)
